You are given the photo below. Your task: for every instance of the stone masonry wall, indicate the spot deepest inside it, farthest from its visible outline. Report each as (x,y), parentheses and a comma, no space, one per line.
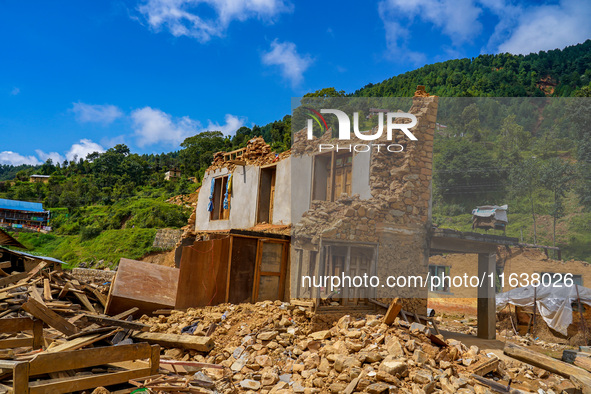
(397,216)
(167,238)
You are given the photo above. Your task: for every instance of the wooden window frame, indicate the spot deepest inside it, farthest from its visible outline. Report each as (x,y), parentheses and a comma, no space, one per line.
(222,214)
(331,177)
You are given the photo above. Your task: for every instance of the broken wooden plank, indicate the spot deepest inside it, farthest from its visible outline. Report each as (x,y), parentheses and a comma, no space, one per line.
(201,344)
(47,290)
(79,342)
(497,387)
(83,298)
(195,364)
(36,295)
(99,296)
(569,355)
(13,278)
(486,366)
(51,318)
(548,363)
(129,312)
(392,312)
(34,271)
(109,321)
(65,290)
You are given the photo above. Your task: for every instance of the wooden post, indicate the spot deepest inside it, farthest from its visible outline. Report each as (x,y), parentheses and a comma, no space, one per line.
(486,305)
(581,312)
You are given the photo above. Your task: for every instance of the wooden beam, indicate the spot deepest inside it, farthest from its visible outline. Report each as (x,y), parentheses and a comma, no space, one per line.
(51,318)
(548,363)
(201,344)
(109,321)
(47,290)
(13,278)
(392,312)
(486,307)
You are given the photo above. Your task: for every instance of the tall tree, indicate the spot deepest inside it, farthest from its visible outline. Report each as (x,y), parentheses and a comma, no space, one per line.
(525,180)
(556,176)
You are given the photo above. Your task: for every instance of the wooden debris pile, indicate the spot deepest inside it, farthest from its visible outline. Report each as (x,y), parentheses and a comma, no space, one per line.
(50,318)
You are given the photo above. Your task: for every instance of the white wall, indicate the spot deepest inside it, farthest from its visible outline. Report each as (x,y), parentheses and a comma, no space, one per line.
(301,186)
(360,175)
(244,198)
(245,185)
(282,201)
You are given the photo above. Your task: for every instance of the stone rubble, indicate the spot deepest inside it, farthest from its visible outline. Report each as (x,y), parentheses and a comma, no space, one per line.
(275,347)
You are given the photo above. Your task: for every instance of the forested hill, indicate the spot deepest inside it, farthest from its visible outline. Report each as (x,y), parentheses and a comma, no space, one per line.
(552,73)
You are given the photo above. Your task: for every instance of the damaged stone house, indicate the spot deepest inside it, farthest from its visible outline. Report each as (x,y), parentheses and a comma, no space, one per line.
(364,212)
(242,222)
(350,212)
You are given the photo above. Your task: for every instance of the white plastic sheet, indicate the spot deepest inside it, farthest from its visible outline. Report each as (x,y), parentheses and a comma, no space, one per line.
(554,303)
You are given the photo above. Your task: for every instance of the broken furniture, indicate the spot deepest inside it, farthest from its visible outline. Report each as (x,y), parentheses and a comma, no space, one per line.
(236,266)
(146,286)
(20,324)
(54,363)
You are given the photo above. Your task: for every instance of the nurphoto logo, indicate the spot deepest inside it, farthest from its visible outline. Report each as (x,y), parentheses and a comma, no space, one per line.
(344,129)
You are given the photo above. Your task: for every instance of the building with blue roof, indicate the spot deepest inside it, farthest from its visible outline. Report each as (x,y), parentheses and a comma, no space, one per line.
(23,214)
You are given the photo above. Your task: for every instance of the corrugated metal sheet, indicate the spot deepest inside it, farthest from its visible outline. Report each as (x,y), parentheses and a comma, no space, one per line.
(21,205)
(33,256)
(497,212)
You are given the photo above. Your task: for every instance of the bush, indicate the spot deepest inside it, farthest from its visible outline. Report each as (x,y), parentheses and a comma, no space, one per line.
(89,232)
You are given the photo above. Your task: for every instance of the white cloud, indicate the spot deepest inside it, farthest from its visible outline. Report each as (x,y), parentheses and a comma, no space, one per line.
(153,126)
(105,114)
(520,29)
(549,27)
(233,123)
(54,156)
(190,18)
(457,19)
(15,91)
(77,151)
(81,149)
(291,64)
(16,159)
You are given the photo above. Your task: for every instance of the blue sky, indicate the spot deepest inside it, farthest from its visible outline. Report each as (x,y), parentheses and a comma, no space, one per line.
(82,76)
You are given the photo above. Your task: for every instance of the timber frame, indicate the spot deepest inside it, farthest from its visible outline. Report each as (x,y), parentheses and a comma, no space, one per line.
(49,363)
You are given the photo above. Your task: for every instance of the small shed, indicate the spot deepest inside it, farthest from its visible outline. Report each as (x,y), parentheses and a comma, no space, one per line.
(490,217)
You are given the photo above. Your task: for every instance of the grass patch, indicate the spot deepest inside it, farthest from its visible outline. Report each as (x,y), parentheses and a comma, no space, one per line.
(108,246)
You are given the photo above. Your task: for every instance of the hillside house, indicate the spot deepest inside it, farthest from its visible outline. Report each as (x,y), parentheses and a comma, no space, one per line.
(172,174)
(23,214)
(39,178)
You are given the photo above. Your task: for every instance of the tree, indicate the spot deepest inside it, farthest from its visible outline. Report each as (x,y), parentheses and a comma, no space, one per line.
(525,180)
(556,176)
(513,136)
(466,172)
(199,150)
(326,92)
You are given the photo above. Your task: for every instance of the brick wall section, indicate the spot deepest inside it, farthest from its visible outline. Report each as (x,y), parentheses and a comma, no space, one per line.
(167,238)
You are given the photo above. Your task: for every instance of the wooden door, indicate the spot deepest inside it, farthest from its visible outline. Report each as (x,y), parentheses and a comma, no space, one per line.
(270,270)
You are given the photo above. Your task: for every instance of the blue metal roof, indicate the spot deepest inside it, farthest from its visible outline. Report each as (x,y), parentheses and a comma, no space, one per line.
(16,205)
(33,255)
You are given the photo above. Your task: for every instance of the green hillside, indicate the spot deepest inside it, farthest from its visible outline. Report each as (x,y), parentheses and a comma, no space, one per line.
(534,155)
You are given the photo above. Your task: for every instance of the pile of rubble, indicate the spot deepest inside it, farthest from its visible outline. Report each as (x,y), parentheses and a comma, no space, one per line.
(50,320)
(256,153)
(275,347)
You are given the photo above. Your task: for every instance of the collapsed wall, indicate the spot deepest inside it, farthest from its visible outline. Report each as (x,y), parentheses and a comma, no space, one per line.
(396,216)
